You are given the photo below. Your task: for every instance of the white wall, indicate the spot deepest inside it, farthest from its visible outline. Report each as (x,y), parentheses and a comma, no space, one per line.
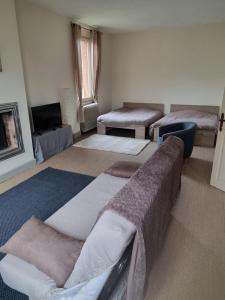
(174,65)
(12,88)
(47,57)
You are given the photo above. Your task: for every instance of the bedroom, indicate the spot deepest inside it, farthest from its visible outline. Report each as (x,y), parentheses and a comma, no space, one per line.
(169,53)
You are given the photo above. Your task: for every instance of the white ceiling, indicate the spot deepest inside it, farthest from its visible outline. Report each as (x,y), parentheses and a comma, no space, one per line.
(130,15)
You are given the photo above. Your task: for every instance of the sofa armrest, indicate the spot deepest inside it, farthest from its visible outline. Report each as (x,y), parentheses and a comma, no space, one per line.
(116,273)
(25,278)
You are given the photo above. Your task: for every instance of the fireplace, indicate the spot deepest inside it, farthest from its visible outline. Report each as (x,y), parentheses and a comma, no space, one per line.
(11,142)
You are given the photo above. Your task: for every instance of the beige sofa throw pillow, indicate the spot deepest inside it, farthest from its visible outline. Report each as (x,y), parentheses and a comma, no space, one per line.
(50,251)
(124,169)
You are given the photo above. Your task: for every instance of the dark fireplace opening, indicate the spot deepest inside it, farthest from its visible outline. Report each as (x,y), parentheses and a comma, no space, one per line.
(3,138)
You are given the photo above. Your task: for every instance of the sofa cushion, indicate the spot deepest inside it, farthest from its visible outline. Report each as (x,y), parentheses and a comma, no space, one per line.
(103,248)
(47,249)
(123,169)
(70,220)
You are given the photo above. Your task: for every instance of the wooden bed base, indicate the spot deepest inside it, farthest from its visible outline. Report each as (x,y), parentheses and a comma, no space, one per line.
(153,106)
(139,129)
(205,108)
(206,138)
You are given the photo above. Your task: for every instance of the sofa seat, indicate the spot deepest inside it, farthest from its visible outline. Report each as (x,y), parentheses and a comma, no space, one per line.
(27,279)
(70,220)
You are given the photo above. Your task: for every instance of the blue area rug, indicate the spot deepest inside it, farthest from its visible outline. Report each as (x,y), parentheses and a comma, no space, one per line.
(40,196)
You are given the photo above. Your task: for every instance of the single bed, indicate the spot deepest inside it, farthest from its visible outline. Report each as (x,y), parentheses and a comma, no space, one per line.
(136,116)
(205,117)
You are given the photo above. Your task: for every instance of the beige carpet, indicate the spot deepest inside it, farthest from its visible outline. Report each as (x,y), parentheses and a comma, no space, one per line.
(191,265)
(111,143)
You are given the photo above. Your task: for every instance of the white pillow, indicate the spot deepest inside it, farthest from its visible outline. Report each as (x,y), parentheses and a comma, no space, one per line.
(103,248)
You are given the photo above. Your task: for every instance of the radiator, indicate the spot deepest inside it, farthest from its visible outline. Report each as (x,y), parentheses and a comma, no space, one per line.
(91,113)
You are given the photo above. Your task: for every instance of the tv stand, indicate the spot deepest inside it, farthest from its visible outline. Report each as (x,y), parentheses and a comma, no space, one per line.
(51,142)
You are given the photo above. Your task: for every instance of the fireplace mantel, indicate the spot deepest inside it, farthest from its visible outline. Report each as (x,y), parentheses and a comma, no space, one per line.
(11,140)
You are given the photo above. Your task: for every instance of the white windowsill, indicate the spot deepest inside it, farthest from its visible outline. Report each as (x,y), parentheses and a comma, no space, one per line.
(88,102)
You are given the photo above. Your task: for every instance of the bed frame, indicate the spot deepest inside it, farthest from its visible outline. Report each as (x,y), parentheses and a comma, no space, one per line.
(205,108)
(206,138)
(140,130)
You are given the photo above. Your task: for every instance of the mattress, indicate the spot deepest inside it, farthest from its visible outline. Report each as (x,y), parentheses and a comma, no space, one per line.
(203,120)
(128,116)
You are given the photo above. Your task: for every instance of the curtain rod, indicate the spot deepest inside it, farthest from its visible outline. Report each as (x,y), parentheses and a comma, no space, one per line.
(85,26)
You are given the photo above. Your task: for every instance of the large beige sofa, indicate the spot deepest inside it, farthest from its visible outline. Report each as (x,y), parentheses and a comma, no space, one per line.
(112,232)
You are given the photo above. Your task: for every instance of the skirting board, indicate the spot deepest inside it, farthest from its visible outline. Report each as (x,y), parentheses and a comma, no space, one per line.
(28,165)
(76,135)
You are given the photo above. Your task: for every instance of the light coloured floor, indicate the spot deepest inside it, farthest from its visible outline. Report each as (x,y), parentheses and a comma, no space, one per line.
(191,265)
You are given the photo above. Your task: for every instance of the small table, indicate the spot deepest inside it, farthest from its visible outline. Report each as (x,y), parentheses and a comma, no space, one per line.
(52,142)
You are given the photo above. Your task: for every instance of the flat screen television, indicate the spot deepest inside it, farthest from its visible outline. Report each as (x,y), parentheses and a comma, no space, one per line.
(46,117)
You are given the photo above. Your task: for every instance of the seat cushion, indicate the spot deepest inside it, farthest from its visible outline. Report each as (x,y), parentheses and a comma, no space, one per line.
(70,219)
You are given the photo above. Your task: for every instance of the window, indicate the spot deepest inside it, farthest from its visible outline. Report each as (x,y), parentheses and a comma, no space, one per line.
(86,65)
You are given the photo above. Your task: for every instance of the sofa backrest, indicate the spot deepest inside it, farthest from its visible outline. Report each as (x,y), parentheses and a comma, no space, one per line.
(162,171)
(146,201)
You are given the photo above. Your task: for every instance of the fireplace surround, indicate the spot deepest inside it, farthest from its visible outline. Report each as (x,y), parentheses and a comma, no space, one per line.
(11,141)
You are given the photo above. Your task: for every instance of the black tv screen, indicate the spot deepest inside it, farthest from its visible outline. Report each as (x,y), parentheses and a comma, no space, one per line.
(46,117)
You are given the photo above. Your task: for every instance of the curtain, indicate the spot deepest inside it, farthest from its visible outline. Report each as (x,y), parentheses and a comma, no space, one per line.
(76,41)
(95,39)
(96,62)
